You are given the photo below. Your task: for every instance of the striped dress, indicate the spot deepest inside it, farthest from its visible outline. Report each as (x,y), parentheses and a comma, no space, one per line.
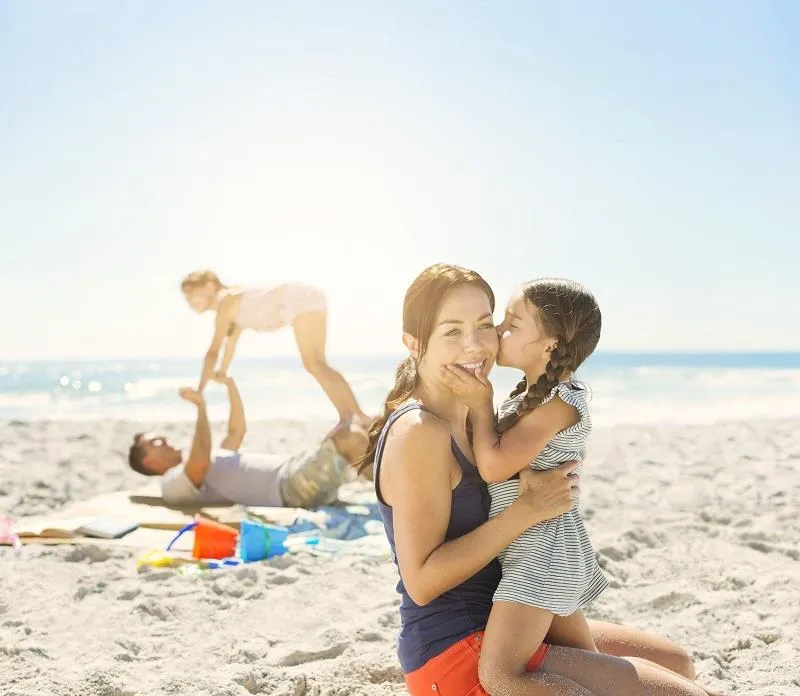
(551,565)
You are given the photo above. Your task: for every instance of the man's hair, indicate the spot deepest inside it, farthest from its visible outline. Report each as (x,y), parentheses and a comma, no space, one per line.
(136,456)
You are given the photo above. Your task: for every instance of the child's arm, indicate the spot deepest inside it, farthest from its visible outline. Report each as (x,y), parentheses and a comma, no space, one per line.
(499,459)
(221,328)
(230,349)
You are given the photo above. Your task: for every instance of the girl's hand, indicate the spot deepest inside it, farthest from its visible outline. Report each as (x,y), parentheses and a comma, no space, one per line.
(471,387)
(549,493)
(222,377)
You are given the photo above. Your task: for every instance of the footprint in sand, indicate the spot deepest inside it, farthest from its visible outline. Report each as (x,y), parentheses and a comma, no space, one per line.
(85,590)
(93,554)
(156,610)
(301,657)
(391,619)
(673,600)
(128,595)
(274,685)
(764,547)
(130,650)
(387,675)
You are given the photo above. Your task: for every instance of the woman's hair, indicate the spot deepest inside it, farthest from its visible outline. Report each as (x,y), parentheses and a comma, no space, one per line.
(199,278)
(420,307)
(567,312)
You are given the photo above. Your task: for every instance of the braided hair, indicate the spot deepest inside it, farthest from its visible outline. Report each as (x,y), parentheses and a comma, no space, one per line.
(569,313)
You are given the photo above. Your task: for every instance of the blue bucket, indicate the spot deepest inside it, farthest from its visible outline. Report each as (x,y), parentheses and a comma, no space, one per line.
(258,541)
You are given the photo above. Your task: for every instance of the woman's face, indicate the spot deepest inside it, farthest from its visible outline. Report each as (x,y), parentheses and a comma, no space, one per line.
(523,343)
(463,333)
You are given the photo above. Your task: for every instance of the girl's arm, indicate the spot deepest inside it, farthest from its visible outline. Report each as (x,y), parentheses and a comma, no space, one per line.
(416,480)
(499,459)
(221,329)
(230,348)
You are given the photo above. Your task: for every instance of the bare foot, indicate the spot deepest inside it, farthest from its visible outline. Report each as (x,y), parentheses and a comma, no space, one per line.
(363,420)
(350,440)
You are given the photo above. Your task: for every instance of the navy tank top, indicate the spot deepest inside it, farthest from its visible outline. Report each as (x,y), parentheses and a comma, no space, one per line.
(427,631)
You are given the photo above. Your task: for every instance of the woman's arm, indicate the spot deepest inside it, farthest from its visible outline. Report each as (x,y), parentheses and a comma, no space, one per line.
(415,479)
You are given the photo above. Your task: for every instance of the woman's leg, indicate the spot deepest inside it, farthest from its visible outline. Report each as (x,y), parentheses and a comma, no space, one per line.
(310,331)
(624,641)
(605,675)
(504,655)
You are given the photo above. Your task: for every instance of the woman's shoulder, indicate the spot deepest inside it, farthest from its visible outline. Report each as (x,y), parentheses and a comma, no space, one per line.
(415,433)
(417,425)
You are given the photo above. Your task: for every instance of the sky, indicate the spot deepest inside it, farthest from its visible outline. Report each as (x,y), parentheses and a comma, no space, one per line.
(648,150)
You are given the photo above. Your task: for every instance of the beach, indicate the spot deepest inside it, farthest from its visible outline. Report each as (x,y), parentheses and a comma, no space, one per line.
(696,526)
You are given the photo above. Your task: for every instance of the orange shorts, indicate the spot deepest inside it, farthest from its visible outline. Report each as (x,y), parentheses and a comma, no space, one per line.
(455,671)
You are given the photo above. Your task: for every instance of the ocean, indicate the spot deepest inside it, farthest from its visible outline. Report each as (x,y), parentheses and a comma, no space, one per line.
(626,387)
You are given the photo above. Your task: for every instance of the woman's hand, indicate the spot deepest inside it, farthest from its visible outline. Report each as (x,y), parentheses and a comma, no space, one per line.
(549,493)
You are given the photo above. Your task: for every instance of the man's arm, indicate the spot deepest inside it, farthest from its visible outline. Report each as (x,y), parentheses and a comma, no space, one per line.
(199,461)
(237,425)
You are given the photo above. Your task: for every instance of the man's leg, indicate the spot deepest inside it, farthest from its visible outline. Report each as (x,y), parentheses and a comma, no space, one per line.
(313,479)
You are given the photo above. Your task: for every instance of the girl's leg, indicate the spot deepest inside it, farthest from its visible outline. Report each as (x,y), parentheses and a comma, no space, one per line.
(625,641)
(310,331)
(571,631)
(513,634)
(504,656)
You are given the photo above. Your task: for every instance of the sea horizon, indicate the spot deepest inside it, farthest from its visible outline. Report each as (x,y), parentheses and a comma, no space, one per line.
(627,386)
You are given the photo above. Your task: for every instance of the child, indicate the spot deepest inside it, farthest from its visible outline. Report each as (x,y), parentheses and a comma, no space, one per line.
(551,326)
(269,308)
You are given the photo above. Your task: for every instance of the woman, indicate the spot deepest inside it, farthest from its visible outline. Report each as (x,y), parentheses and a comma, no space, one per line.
(435,511)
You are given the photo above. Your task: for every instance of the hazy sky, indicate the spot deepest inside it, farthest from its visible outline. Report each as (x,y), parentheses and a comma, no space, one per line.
(649,150)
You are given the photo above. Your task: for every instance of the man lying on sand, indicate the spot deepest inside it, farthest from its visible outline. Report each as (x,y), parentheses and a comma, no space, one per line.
(227,476)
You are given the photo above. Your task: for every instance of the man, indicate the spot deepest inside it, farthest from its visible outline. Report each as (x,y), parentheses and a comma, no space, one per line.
(225,475)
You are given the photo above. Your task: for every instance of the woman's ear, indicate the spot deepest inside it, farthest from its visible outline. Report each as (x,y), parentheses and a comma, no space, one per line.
(412,344)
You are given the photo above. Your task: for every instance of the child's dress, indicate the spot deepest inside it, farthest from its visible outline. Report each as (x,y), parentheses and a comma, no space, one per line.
(551,565)
(271,307)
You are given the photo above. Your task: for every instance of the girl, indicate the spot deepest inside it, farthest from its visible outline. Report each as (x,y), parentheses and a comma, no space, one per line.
(551,326)
(435,508)
(269,308)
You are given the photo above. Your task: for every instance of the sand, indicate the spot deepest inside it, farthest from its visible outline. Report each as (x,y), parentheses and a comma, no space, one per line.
(697,527)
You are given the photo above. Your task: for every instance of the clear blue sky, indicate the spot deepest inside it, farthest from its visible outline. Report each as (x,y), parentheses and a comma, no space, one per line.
(649,150)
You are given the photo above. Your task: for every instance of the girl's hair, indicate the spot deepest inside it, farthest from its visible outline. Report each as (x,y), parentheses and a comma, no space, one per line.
(420,307)
(568,312)
(199,278)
